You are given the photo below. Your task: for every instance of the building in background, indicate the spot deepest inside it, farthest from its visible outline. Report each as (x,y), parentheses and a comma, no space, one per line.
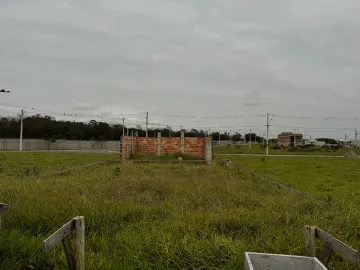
(289,139)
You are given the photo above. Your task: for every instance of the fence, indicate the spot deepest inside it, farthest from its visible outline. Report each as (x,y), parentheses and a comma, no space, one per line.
(40,144)
(331,245)
(199,147)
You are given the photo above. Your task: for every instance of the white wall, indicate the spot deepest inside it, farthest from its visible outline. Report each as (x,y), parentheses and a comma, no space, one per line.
(39,144)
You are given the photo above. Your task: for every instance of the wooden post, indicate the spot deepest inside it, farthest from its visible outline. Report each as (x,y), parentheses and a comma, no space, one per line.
(69,253)
(310,243)
(80,243)
(76,262)
(326,255)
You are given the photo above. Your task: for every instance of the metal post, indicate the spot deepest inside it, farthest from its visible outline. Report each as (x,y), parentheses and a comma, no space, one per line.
(21,129)
(123,126)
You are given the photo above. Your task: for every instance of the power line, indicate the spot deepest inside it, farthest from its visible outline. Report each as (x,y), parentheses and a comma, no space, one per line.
(206,117)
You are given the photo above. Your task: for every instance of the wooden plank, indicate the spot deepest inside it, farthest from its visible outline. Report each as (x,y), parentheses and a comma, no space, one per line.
(80,243)
(69,253)
(310,241)
(59,235)
(344,250)
(3,207)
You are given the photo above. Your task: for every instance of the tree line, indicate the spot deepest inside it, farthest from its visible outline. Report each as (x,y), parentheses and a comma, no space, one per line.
(48,128)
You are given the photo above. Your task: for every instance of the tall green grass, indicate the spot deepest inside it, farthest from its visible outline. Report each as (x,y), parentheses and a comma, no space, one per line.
(141,216)
(23,165)
(334,178)
(258,150)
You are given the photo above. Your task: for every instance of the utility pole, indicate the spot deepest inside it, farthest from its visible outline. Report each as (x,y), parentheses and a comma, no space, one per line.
(21,129)
(267,134)
(219,138)
(250,140)
(244,138)
(147,123)
(123,126)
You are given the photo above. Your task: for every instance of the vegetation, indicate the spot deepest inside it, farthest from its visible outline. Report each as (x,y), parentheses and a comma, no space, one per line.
(273,150)
(24,165)
(334,178)
(154,216)
(48,128)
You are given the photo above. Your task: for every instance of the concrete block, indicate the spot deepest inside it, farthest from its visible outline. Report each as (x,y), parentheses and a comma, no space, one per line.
(264,261)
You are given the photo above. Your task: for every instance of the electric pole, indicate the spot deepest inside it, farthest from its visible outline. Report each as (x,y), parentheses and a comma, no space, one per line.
(244,138)
(147,123)
(21,129)
(219,138)
(123,126)
(267,134)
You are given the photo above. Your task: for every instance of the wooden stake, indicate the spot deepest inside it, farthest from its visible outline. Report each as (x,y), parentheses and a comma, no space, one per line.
(80,243)
(310,243)
(69,253)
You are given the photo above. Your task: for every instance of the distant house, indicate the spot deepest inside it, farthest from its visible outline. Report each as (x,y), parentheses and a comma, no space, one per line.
(289,138)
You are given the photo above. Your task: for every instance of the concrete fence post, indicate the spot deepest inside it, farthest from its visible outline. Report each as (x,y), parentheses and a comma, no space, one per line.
(182,143)
(159,144)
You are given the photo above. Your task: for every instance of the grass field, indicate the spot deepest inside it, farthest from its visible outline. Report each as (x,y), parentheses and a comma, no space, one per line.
(256,149)
(155,216)
(337,178)
(23,165)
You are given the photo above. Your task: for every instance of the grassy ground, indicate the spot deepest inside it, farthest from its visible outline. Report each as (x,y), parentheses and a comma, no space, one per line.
(256,149)
(141,216)
(20,165)
(322,177)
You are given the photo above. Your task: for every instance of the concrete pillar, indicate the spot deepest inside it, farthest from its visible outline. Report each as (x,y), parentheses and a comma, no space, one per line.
(182,143)
(159,144)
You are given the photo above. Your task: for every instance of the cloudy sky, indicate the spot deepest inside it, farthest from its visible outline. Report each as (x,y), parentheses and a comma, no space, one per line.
(185,57)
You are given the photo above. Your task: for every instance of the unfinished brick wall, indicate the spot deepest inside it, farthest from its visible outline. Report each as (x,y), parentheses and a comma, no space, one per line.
(195,147)
(127,147)
(146,145)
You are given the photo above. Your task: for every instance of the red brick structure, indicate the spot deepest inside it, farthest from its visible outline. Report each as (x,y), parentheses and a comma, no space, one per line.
(288,138)
(196,147)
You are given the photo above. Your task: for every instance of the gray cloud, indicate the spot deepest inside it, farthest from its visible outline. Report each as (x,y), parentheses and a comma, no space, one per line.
(235,57)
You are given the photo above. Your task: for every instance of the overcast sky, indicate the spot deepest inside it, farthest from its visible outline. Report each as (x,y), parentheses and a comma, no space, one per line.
(186,57)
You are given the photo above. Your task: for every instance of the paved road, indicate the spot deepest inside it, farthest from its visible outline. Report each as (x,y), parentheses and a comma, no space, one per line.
(260,155)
